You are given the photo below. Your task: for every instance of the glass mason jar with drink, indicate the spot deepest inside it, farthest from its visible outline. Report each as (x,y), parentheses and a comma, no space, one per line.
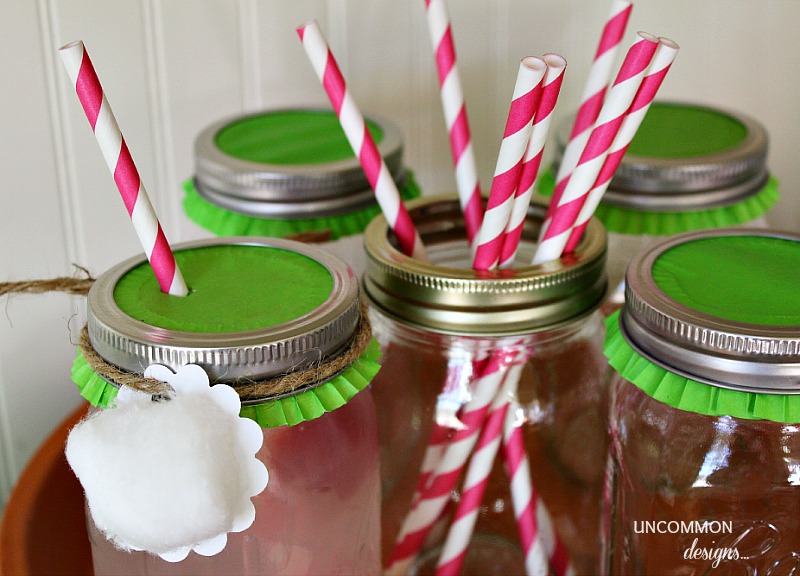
(259,311)
(460,350)
(705,411)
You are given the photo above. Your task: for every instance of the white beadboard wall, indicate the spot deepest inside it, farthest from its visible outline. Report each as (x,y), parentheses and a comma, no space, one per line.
(170,67)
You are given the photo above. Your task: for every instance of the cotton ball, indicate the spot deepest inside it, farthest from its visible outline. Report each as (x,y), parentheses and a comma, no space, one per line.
(170,475)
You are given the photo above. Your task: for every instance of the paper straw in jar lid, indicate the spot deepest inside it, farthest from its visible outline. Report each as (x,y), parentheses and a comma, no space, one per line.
(446,295)
(120,162)
(289,163)
(719,306)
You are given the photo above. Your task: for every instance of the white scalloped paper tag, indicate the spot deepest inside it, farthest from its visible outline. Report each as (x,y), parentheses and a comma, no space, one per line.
(174,475)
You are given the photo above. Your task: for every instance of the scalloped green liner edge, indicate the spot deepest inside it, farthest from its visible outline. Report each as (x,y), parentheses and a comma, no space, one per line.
(690,395)
(287,411)
(637,222)
(224,222)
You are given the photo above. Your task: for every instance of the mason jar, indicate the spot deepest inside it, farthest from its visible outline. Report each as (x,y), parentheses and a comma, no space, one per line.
(259,308)
(705,412)
(441,325)
(689,167)
(290,172)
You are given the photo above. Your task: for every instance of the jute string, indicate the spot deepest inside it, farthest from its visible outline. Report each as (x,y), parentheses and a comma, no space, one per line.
(247,389)
(70,285)
(118,377)
(319,373)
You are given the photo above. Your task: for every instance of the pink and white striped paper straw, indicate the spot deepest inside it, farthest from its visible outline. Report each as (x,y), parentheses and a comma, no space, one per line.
(527,93)
(543,550)
(461,371)
(360,140)
(455,116)
(477,478)
(556,230)
(118,158)
(429,505)
(437,445)
(664,56)
(593,94)
(543,117)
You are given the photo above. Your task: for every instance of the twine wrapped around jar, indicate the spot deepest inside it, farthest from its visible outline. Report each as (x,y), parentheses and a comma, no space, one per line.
(247,390)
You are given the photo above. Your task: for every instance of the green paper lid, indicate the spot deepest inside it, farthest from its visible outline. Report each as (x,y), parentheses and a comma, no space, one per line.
(257,308)
(289,163)
(301,405)
(227,222)
(720,307)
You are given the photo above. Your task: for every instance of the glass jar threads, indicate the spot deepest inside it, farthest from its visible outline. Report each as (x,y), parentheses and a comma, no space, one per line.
(705,412)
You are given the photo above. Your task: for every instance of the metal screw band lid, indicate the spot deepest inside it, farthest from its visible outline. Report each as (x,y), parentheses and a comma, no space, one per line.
(290,190)
(671,201)
(230,356)
(725,352)
(689,180)
(449,297)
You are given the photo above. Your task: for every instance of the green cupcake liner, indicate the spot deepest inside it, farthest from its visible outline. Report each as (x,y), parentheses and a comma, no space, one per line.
(317,401)
(690,395)
(638,222)
(91,385)
(222,222)
(287,411)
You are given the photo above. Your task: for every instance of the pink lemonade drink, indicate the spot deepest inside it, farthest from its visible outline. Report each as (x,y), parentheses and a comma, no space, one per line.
(258,308)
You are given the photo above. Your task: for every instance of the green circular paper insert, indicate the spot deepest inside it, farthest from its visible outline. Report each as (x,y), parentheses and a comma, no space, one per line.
(232,288)
(684,131)
(289,137)
(748,278)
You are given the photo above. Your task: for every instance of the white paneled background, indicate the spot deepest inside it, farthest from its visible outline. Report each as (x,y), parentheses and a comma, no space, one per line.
(170,67)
